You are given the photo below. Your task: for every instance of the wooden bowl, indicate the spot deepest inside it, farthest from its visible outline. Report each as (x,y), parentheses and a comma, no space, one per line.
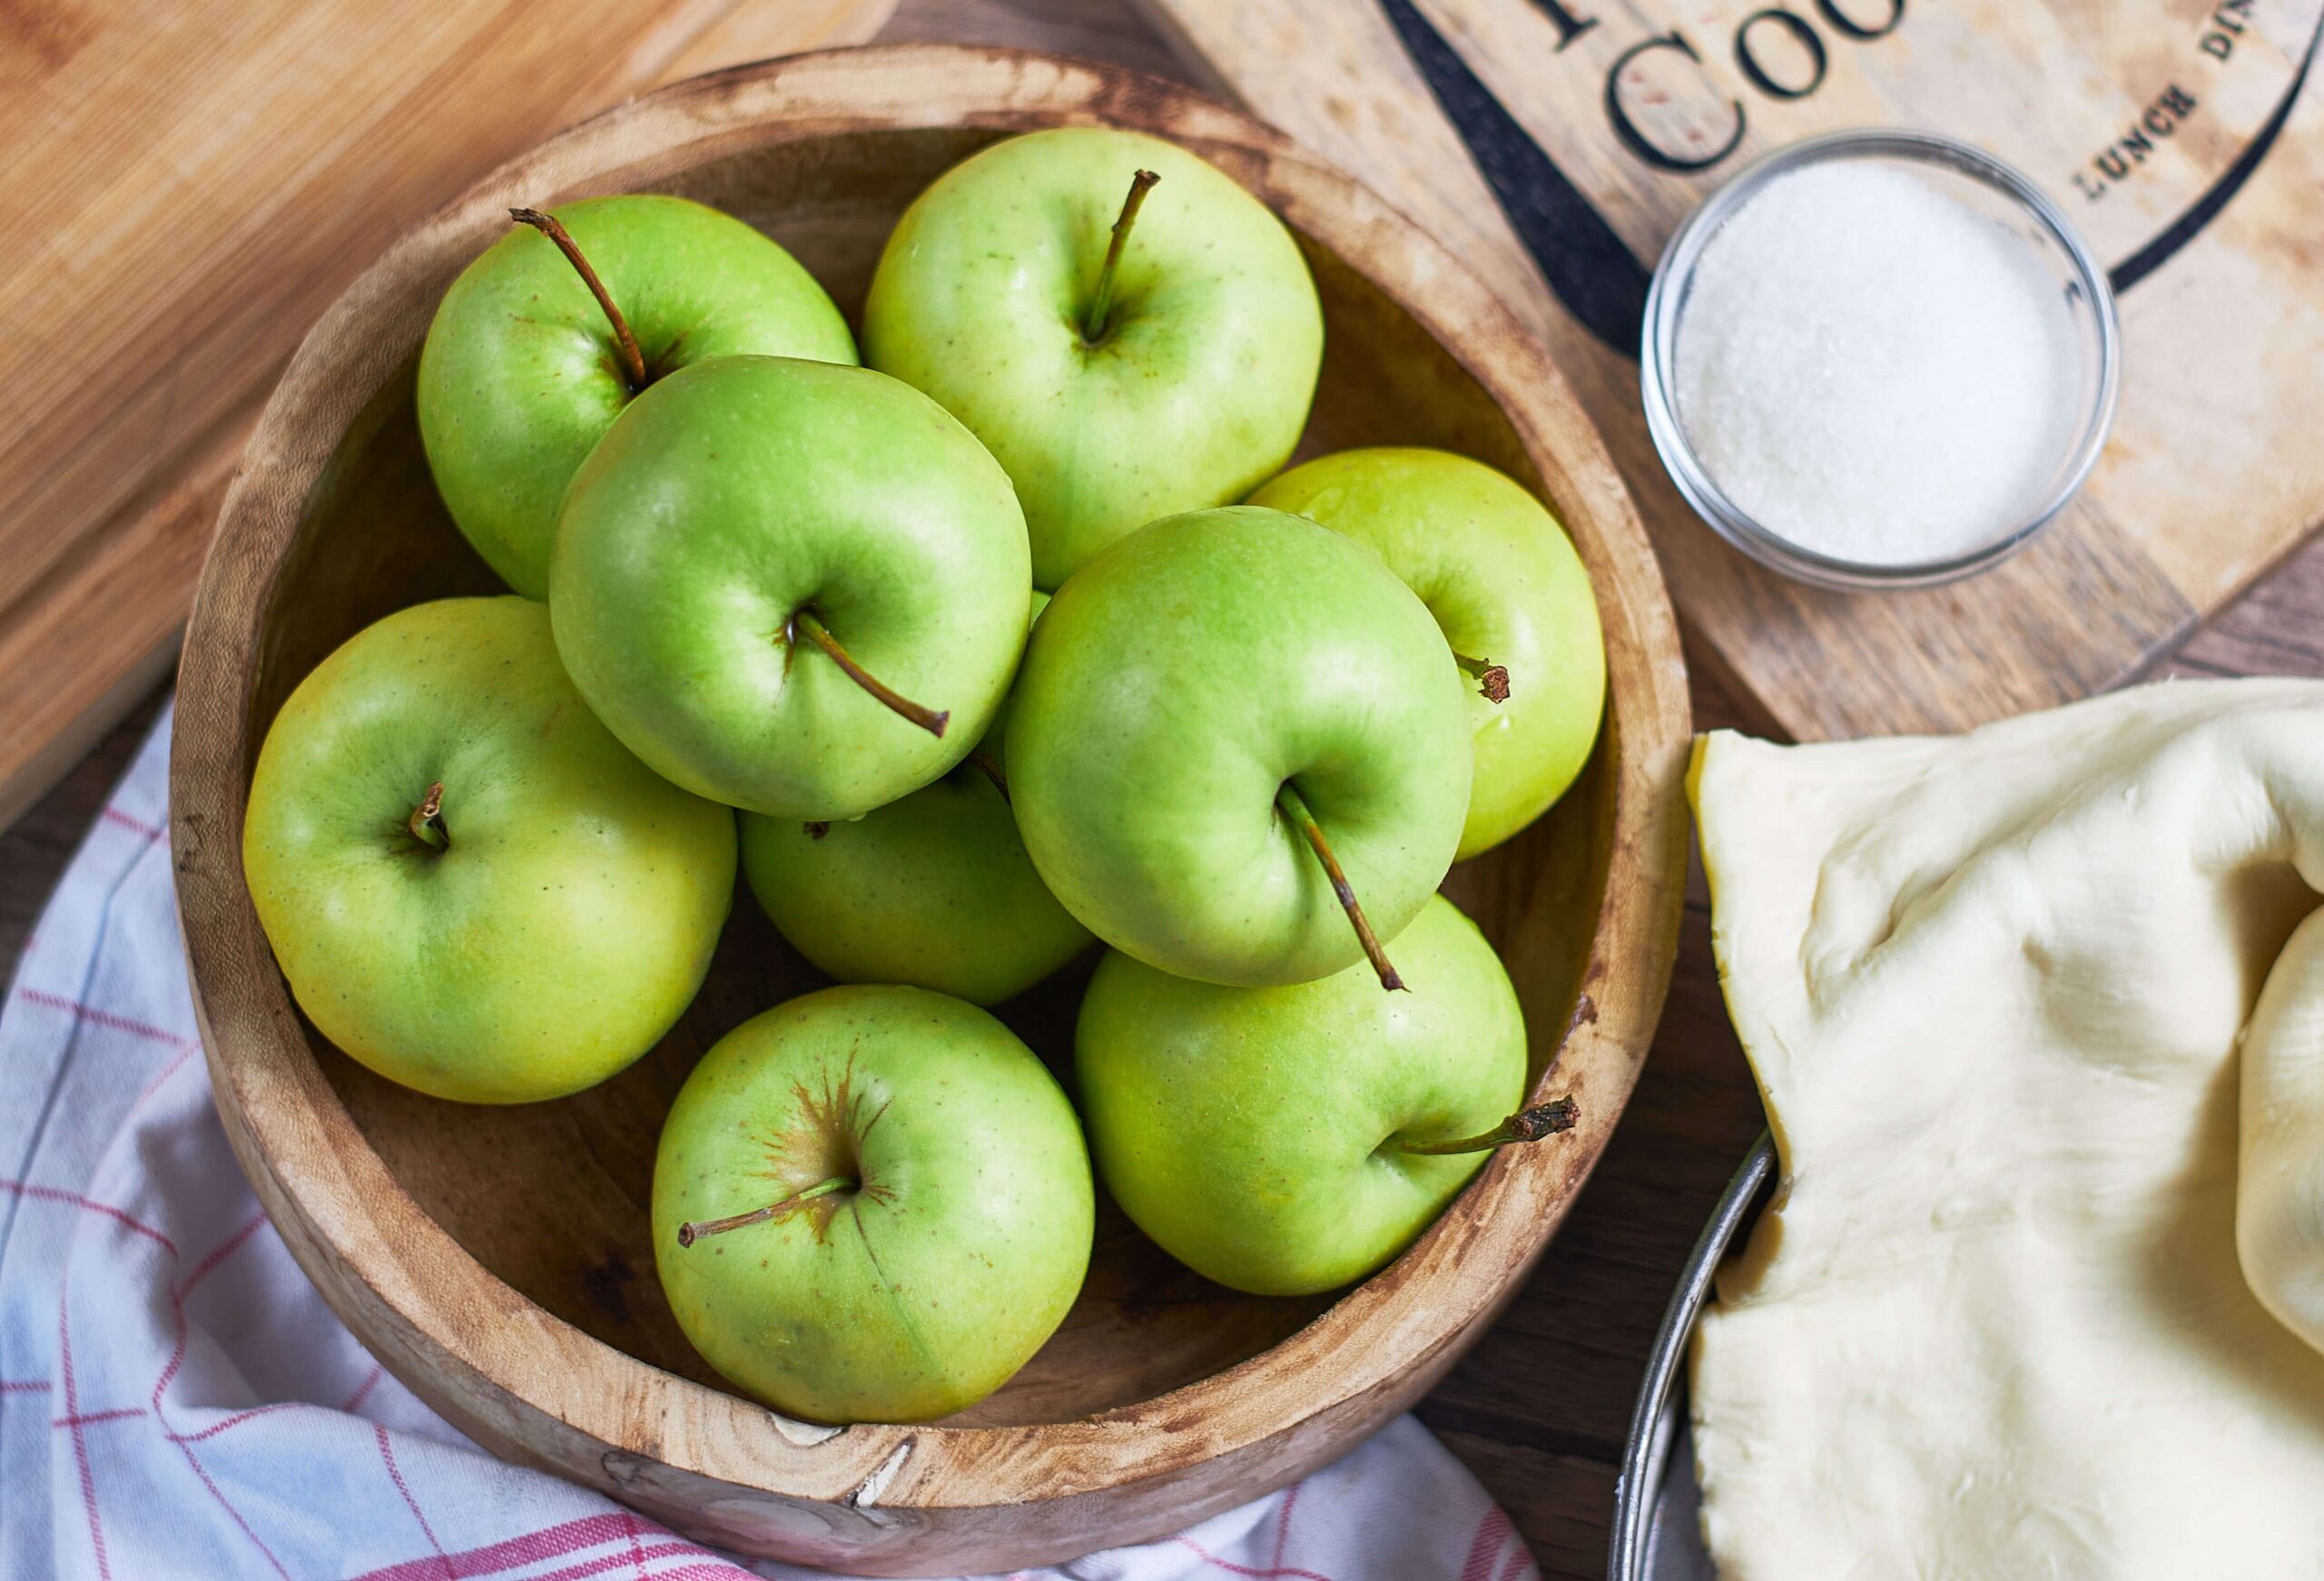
(498,1260)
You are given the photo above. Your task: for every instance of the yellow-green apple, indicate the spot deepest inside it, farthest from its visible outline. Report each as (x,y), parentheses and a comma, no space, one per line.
(1127,329)
(1502,578)
(471,885)
(553,329)
(795,588)
(934,890)
(1231,725)
(871,1204)
(1288,1140)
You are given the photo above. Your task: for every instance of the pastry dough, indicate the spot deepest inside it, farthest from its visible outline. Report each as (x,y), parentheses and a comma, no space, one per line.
(1995,1324)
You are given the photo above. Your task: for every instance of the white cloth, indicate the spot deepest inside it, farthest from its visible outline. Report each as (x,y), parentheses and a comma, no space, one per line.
(175,1400)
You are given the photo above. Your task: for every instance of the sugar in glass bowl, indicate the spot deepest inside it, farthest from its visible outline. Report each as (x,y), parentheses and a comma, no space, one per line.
(1879,360)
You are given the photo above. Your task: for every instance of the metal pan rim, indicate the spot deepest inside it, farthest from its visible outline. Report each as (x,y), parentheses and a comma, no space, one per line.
(1638,1492)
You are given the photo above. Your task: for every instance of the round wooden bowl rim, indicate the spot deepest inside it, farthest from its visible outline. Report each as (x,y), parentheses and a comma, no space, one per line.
(318,1174)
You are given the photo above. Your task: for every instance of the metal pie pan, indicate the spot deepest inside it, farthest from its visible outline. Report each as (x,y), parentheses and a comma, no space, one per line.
(1657,1534)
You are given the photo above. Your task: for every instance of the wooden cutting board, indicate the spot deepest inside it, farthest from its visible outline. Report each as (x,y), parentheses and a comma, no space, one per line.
(1557,143)
(188,185)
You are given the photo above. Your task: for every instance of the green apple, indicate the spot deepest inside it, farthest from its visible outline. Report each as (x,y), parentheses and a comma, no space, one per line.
(471,885)
(524,369)
(795,588)
(1288,1140)
(1502,578)
(934,890)
(1119,374)
(871,1204)
(1231,725)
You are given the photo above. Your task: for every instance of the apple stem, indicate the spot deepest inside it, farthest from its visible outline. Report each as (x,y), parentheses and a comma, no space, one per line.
(1101,305)
(633,360)
(1491,679)
(990,767)
(806,621)
(1295,810)
(689,1233)
(1525,1125)
(427,819)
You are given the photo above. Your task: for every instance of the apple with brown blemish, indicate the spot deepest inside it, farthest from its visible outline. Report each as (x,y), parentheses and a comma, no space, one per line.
(871,1204)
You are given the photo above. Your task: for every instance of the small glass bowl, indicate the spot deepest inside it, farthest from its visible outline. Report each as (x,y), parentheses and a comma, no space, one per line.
(1992,188)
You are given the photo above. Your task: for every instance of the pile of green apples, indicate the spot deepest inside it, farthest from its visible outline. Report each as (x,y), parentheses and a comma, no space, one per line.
(976,637)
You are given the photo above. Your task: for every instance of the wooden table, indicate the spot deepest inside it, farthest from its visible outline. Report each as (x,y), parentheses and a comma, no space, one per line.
(1540,1409)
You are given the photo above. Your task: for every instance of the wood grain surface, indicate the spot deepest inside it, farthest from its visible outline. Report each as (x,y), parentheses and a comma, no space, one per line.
(1539,1408)
(497,1260)
(1604,124)
(188,185)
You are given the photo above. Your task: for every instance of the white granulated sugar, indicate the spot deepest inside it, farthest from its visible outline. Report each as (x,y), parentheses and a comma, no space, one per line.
(1873,369)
